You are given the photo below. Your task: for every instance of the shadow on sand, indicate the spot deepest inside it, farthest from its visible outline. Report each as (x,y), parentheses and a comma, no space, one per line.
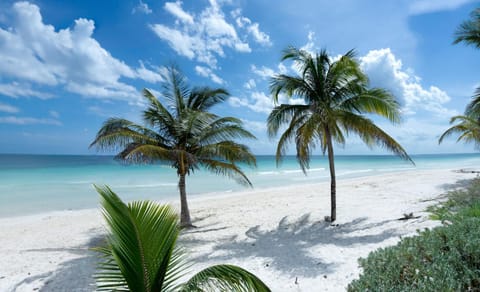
(286,248)
(74,275)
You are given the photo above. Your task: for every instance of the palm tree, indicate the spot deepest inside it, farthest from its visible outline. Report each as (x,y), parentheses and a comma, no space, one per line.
(141,253)
(182,133)
(336,98)
(469,33)
(467,127)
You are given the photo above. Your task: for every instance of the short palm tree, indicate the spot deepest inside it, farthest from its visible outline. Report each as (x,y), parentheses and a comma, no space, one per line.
(142,255)
(183,133)
(467,127)
(336,97)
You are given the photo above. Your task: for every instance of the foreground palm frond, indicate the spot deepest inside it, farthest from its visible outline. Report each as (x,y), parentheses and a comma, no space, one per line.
(141,253)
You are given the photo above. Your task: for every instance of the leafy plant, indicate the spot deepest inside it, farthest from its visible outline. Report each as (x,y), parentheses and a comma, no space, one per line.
(446,258)
(336,100)
(182,132)
(142,255)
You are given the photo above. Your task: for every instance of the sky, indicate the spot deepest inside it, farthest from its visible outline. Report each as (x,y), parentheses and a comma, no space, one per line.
(67,66)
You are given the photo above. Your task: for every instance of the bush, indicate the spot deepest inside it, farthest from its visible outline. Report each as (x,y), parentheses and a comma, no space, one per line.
(446,258)
(457,200)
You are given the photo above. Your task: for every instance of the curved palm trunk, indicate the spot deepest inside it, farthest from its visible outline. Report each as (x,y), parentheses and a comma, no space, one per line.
(333,181)
(184,212)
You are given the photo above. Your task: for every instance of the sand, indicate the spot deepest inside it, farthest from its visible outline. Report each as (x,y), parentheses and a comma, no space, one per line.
(278,233)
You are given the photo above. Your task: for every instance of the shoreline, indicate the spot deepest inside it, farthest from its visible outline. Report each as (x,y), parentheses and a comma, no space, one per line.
(278,233)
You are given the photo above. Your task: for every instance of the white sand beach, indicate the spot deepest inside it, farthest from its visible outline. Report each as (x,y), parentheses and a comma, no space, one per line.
(279,234)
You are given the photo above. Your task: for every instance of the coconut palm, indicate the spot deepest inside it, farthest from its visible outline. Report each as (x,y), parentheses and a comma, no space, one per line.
(183,133)
(467,127)
(142,255)
(336,98)
(469,33)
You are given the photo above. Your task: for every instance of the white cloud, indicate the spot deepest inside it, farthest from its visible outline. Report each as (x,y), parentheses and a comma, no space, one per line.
(428,6)
(8,108)
(142,8)
(205,36)
(54,114)
(149,75)
(263,71)
(35,52)
(250,84)
(385,70)
(16,89)
(175,8)
(208,73)
(28,121)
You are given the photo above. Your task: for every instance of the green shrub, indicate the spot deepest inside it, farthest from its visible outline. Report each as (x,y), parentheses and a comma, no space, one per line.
(446,258)
(457,200)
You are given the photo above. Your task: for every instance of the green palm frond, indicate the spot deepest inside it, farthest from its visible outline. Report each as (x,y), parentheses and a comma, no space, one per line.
(224,278)
(473,107)
(204,98)
(119,133)
(141,253)
(140,246)
(371,134)
(469,31)
(467,127)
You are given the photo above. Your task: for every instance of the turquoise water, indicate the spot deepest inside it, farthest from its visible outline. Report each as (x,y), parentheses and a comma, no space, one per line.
(38,183)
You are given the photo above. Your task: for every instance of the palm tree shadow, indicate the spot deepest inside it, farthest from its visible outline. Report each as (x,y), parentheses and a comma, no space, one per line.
(287,248)
(75,275)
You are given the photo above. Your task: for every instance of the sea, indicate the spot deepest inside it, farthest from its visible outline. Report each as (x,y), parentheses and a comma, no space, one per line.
(31,184)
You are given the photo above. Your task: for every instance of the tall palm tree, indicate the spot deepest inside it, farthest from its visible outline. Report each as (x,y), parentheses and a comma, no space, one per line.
(336,97)
(469,33)
(467,127)
(141,253)
(183,133)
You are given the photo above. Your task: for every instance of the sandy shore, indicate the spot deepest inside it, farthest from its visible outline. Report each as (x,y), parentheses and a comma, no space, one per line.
(278,233)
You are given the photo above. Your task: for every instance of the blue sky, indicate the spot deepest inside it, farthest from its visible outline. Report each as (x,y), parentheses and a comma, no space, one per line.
(66,66)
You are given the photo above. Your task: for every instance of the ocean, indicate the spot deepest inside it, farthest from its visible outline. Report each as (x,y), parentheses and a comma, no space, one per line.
(32,184)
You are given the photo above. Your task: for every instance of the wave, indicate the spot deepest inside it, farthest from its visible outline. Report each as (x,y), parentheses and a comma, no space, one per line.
(152,185)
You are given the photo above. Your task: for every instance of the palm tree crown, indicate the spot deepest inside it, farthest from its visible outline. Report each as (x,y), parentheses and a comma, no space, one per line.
(336,98)
(182,132)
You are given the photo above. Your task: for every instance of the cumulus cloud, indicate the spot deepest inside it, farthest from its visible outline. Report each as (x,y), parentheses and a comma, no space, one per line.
(142,8)
(35,52)
(205,36)
(386,70)
(208,73)
(250,84)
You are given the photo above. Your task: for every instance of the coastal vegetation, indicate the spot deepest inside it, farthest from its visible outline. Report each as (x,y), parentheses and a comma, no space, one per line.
(445,258)
(182,132)
(142,254)
(336,100)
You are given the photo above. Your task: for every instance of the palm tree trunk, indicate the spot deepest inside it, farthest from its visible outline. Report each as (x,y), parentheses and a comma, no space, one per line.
(184,212)
(333,182)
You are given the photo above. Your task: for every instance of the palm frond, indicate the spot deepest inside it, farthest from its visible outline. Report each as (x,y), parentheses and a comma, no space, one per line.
(141,243)
(469,31)
(225,278)
(228,169)
(371,134)
(473,107)
(204,98)
(467,127)
(118,133)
